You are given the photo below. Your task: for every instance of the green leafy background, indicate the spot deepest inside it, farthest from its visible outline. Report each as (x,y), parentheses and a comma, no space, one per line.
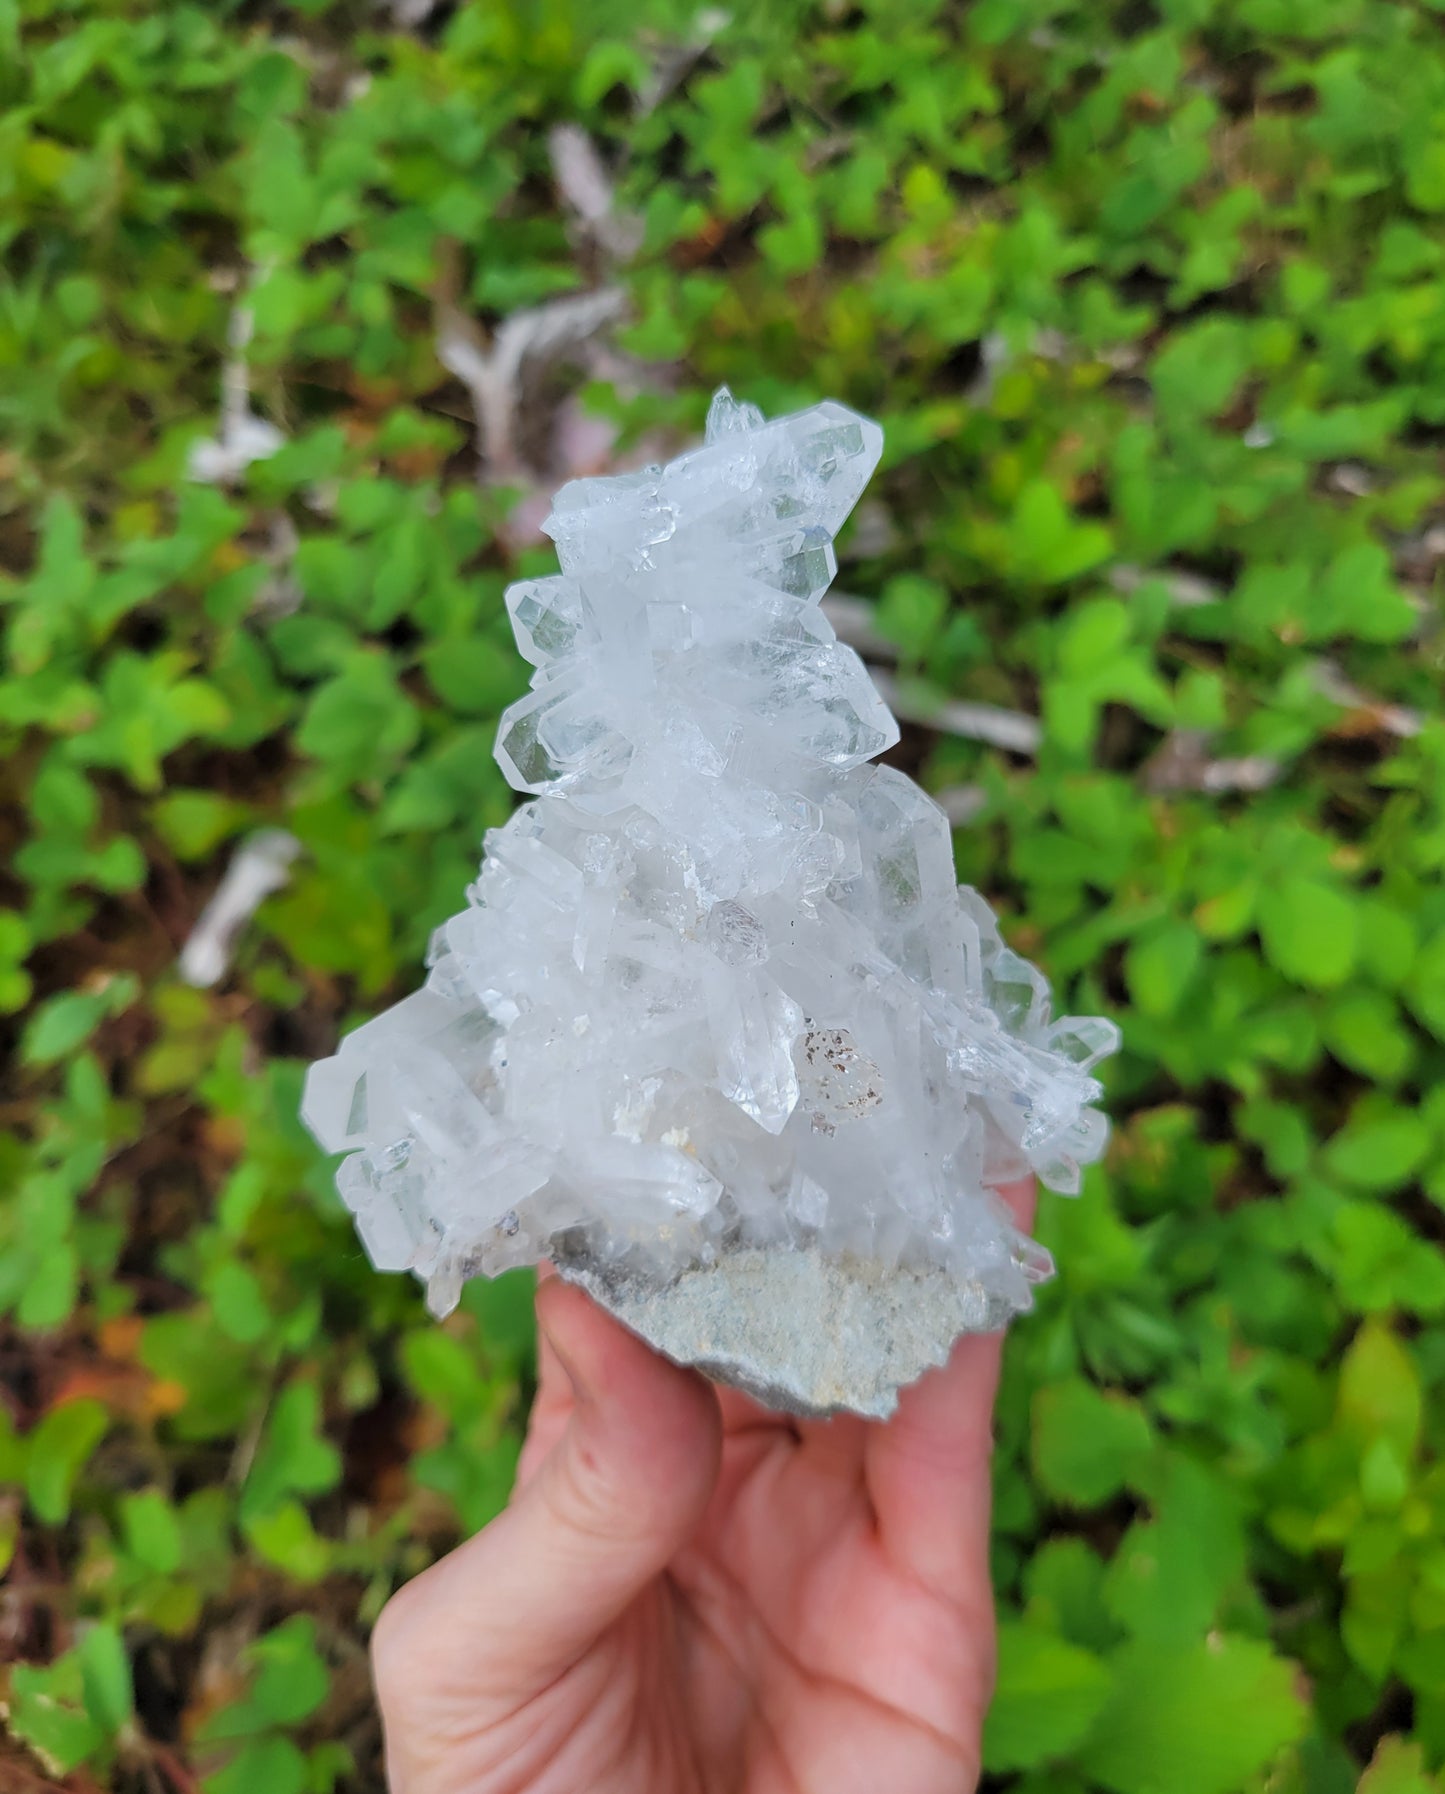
(1150,296)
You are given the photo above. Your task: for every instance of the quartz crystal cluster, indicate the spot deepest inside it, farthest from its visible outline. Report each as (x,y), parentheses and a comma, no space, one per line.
(717,1031)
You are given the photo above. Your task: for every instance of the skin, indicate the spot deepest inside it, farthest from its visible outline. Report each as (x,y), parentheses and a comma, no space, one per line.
(689,1594)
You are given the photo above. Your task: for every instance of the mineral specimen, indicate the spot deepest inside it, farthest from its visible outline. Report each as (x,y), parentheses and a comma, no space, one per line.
(717,1032)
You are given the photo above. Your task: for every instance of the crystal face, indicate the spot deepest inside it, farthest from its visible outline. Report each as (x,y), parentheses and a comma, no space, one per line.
(715,998)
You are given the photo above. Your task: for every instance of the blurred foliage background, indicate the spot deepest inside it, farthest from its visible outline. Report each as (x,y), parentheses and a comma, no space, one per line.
(306,308)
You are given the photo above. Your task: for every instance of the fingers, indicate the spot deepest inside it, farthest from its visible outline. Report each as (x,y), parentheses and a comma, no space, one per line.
(624,1486)
(552,1403)
(742,1414)
(928,1471)
(928,1467)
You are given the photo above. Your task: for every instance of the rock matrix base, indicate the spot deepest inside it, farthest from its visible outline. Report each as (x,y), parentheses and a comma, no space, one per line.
(799,1330)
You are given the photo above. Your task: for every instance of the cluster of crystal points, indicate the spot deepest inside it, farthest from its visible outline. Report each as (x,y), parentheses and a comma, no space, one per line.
(715,990)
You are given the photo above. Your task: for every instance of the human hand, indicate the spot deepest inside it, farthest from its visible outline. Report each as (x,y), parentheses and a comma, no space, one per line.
(691,1595)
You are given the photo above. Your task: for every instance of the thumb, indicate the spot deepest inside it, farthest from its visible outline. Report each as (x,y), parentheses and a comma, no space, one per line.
(623,1488)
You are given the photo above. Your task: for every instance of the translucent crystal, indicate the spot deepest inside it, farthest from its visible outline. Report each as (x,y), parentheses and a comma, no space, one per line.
(736,935)
(716,1006)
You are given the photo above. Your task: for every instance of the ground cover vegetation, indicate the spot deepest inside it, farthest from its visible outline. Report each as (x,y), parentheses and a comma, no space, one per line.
(1150,296)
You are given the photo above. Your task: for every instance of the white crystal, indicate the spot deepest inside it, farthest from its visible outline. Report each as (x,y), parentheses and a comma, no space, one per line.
(715,990)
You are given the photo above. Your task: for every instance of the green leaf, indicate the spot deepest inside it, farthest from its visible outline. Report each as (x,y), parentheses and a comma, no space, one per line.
(15,946)
(49,1295)
(57,1451)
(1384,1479)
(1425,989)
(476,1472)
(187,1348)
(1048,544)
(442,1371)
(64,1023)
(1375,1616)
(608,64)
(1378,1148)
(912,612)
(290,1683)
(106,1679)
(1087,1443)
(60,1026)
(1309,930)
(1093,636)
(1282,1132)
(1160,966)
(152,1531)
(1379,1391)
(286,1538)
(1193,1719)
(274,1764)
(1379,1262)
(1398,1767)
(1048,1694)
(1425,171)
(1201,366)
(503,1308)
(1362,1028)
(1065,1586)
(47,1709)
(473,675)
(194,823)
(292,1456)
(359,721)
(1172,1573)
(293,1680)
(240,1305)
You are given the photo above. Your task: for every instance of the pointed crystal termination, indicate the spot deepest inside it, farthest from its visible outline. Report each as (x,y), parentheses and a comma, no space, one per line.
(716,1031)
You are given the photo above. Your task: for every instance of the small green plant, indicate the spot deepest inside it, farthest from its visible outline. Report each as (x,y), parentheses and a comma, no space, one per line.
(1151,301)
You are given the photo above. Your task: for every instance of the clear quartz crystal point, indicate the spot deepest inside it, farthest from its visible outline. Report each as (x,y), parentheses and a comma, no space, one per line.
(716,1031)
